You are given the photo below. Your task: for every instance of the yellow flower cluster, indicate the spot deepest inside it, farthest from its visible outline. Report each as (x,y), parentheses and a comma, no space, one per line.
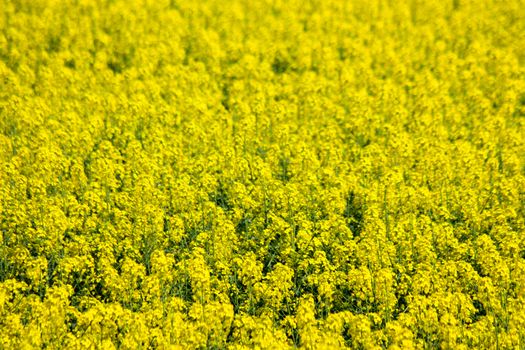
(264,174)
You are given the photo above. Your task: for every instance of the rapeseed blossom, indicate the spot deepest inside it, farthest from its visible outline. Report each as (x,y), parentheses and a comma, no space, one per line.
(262,174)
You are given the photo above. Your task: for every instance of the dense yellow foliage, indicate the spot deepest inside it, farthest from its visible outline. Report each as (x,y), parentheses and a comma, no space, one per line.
(262,174)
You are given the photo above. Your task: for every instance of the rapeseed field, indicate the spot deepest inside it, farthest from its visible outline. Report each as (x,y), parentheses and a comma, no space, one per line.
(262,174)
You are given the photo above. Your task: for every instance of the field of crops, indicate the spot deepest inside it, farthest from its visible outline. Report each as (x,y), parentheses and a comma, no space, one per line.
(262,174)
